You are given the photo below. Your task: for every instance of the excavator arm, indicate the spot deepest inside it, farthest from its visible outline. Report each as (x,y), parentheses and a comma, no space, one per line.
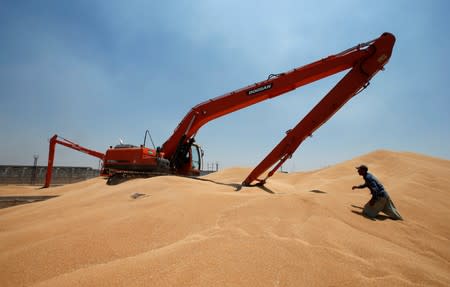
(62,141)
(363,60)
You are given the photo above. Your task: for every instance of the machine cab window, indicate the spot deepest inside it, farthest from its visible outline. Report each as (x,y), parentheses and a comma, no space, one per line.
(196,153)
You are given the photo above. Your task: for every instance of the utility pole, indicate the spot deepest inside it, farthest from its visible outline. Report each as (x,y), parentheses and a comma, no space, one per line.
(34,171)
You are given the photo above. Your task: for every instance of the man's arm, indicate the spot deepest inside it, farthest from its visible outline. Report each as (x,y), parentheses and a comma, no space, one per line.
(364,185)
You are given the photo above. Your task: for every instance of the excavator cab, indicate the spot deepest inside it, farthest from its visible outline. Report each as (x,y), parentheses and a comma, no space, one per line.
(188,159)
(196,155)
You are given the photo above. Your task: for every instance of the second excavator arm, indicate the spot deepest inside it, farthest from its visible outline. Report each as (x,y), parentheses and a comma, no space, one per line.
(67,143)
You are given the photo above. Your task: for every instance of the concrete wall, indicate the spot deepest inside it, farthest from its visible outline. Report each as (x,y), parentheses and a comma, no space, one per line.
(18,174)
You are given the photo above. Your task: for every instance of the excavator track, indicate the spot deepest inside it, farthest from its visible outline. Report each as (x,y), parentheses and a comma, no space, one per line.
(119,176)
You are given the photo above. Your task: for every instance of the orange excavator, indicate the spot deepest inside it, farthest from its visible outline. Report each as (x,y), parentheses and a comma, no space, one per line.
(180,154)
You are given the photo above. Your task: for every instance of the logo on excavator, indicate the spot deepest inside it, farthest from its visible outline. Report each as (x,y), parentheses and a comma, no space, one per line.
(259,89)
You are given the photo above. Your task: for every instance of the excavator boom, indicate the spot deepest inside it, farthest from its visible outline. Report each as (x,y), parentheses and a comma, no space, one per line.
(363,60)
(275,85)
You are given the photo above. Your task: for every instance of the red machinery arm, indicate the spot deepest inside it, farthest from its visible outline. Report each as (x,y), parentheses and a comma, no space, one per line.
(51,154)
(252,94)
(365,60)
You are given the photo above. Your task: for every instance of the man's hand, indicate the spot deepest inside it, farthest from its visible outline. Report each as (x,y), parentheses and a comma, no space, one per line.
(354,187)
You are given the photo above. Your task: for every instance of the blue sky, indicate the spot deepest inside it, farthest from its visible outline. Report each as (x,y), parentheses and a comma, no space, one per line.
(97,71)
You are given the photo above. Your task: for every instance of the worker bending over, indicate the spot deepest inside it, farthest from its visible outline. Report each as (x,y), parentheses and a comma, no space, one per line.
(380,200)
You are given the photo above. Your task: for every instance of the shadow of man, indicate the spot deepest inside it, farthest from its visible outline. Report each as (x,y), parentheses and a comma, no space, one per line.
(378,217)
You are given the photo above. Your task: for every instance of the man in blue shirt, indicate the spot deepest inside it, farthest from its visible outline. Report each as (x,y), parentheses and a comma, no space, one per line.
(380,200)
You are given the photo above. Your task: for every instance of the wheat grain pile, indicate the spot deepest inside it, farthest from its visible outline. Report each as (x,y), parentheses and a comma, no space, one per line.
(301,229)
